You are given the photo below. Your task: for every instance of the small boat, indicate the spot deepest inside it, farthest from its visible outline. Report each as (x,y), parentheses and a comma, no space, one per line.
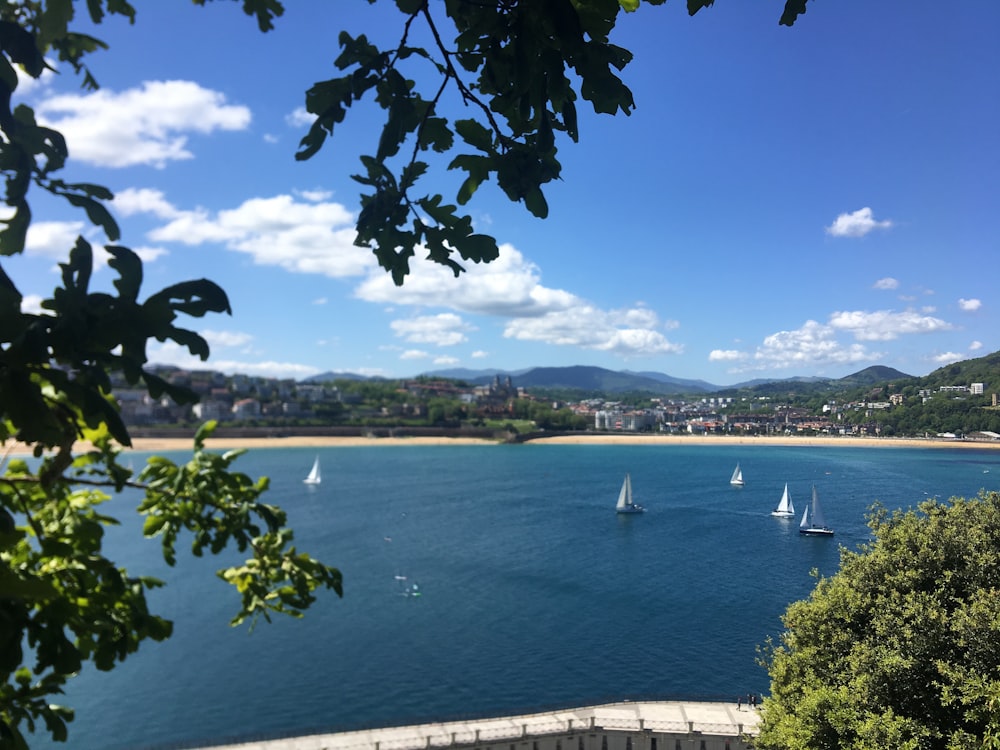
(815,526)
(737,476)
(314,477)
(625,504)
(785,508)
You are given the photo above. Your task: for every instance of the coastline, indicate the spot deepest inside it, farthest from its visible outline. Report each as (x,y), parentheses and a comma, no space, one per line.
(149,444)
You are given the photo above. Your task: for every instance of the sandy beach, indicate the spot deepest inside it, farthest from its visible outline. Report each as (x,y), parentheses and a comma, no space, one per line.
(181,444)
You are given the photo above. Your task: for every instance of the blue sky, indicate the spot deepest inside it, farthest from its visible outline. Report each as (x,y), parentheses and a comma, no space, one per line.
(782,202)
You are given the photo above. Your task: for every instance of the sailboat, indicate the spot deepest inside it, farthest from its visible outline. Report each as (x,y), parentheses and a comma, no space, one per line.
(314,476)
(625,504)
(785,508)
(815,526)
(737,476)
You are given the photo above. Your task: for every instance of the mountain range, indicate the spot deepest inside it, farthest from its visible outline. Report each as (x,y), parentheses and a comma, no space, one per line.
(601,380)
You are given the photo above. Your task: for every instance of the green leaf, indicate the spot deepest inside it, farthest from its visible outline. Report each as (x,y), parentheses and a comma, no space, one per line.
(793,9)
(536,203)
(435,134)
(194,298)
(480,248)
(153,525)
(410,7)
(97,214)
(129,269)
(15,231)
(475,134)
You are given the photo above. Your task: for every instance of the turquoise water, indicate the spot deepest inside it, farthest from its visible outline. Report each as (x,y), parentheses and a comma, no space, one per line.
(534,592)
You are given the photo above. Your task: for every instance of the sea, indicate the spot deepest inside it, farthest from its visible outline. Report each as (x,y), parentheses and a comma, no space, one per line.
(533,592)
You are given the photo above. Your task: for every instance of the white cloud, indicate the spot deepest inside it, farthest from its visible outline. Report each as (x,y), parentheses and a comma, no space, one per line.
(225,338)
(53,239)
(810,345)
(975,346)
(148,125)
(510,287)
(320,301)
(445,361)
(479,354)
(969,305)
(946,358)
(315,196)
(856,224)
(726,355)
(170,353)
(886,325)
(26,84)
(816,344)
(145,201)
(313,238)
(149,254)
(299,118)
(414,354)
(32,303)
(887,283)
(446,329)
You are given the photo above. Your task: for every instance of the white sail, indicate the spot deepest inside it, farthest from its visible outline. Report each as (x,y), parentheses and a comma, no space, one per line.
(625,496)
(625,503)
(315,476)
(804,523)
(785,507)
(737,476)
(817,515)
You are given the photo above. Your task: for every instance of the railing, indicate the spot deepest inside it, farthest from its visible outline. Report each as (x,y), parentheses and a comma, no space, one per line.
(516,723)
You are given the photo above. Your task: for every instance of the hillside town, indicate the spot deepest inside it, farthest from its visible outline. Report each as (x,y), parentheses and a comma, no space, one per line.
(261,402)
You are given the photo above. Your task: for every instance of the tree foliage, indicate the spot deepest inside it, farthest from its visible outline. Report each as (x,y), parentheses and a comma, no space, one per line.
(515,69)
(62,602)
(899,648)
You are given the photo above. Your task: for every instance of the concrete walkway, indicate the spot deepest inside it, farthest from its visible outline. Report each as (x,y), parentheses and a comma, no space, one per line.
(666,717)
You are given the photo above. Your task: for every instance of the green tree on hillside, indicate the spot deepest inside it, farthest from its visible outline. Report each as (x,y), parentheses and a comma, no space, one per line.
(898,649)
(514,69)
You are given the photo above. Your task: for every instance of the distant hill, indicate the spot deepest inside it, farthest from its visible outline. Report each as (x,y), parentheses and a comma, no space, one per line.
(581,378)
(807,386)
(872,376)
(687,385)
(599,379)
(985,370)
(478,377)
(602,380)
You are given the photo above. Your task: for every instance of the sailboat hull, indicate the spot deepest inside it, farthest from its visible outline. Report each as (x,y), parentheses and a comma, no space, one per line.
(816,532)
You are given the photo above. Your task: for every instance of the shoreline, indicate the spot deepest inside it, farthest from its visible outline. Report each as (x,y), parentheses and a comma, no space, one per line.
(148,444)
